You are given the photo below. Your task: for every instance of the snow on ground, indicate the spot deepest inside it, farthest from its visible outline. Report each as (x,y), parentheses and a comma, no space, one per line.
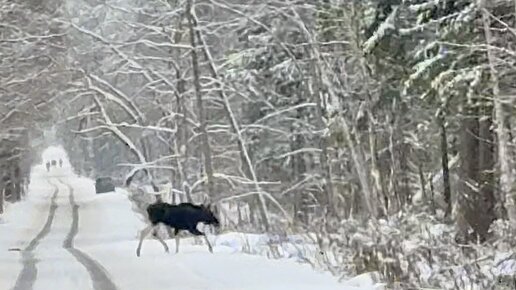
(50,253)
(113,243)
(22,220)
(108,233)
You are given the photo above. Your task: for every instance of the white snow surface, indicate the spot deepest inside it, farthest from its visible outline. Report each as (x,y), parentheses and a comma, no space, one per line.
(108,233)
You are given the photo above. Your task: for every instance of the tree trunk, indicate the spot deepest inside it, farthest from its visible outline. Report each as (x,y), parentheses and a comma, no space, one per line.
(89,160)
(393,186)
(422,181)
(316,92)
(2,197)
(244,154)
(198,94)
(432,194)
(376,172)
(18,181)
(477,154)
(444,165)
(504,156)
(181,141)
(299,169)
(14,183)
(146,154)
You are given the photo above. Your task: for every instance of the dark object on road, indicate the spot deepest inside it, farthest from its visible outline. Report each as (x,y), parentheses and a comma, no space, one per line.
(184,216)
(104,184)
(54,163)
(48,166)
(60,162)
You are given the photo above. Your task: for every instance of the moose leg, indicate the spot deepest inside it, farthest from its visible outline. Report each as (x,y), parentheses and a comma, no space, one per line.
(176,236)
(145,232)
(210,248)
(161,241)
(196,232)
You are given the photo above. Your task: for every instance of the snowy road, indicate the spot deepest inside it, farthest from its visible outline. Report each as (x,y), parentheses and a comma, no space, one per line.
(64,236)
(98,275)
(28,274)
(54,244)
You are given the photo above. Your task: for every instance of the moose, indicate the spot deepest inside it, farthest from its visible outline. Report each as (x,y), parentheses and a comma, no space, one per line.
(183,216)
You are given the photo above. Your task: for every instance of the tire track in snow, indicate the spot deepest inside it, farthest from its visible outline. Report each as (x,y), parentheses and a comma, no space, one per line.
(98,274)
(29,272)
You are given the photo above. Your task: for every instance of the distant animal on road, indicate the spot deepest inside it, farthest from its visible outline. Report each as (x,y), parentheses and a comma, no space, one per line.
(48,166)
(183,216)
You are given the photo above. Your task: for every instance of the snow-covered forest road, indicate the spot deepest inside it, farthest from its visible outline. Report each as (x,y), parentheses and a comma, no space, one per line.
(64,236)
(56,237)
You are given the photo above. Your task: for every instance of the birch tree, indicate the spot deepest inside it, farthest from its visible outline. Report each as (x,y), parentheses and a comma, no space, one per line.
(505,161)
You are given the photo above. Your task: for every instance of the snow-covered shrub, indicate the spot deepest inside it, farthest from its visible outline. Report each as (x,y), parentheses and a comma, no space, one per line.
(416,250)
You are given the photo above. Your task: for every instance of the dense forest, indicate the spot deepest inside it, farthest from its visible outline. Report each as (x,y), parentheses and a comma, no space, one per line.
(383,128)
